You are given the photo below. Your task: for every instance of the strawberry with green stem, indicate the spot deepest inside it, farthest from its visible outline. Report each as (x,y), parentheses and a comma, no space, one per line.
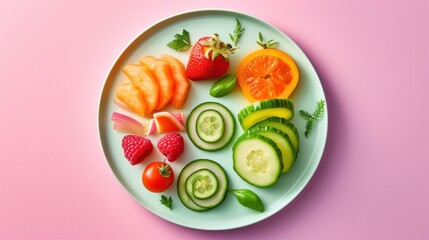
(209,59)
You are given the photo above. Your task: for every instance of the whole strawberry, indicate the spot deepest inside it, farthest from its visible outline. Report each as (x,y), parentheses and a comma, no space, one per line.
(171,146)
(209,59)
(136,148)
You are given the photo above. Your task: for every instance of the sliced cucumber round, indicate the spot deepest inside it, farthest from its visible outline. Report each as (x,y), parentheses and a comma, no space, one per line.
(194,132)
(282,141)
(257,160)
(188,199)
(258,111)
(210,126)
(285,126)
(201,184)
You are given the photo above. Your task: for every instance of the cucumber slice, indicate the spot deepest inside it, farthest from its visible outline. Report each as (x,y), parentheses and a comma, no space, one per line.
(210,126)
(228,128)
(202,204)
(261,110)
(203,188)
(200,186)
(285,126)
(282,141)
(257,160)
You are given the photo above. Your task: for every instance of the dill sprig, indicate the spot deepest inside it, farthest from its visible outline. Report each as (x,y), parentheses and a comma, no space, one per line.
(238,32)
(311,117)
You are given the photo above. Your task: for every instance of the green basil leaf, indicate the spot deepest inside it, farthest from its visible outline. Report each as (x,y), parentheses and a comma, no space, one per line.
(248,199)
(224,86)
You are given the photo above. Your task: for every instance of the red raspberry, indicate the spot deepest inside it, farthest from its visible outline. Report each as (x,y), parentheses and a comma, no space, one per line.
(136,148)
(171,145)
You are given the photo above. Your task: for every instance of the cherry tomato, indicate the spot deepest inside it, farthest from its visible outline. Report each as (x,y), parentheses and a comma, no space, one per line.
(157,176)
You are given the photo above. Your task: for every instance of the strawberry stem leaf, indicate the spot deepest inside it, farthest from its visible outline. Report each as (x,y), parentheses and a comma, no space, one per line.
(215,47)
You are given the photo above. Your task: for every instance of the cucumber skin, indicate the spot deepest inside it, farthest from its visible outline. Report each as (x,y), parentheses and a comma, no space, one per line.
(190,164)
(260,137)
(265,104)
(284,121)
(256,129)
(233,127)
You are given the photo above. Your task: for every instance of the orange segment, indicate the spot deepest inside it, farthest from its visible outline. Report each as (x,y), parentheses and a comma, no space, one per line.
(266,74)
(141,77)
(162,74)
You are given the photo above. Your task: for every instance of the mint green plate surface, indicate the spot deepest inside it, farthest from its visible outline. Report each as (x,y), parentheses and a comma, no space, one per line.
(230,214)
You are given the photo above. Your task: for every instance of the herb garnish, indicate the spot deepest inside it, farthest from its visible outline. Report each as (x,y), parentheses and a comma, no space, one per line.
(238,32)
(248,199)
(263,44)
(224,86)
(310,118)
(168,202)
(181,42)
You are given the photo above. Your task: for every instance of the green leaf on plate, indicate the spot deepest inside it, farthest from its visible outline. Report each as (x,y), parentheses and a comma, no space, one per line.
(248,199)
(181,42)
(168,202)
(224,86)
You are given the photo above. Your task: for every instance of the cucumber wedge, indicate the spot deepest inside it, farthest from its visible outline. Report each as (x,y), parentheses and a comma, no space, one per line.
(222,135)
(282,141)
(285,126)
(188,199)
(257,160)
(261,110)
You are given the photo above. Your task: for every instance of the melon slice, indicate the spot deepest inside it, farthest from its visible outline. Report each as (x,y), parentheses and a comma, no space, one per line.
(142,77)
(132,98)
(167,122)
(181,82)
(162,74)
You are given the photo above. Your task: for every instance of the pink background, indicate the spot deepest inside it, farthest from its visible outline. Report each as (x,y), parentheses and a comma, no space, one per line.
(372,58)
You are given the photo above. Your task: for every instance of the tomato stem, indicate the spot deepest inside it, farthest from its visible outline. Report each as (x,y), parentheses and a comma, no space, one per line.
(164,169)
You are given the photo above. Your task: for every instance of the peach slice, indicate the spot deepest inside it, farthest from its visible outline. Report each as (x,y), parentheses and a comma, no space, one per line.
(181,82)
(162,74)
(142,77)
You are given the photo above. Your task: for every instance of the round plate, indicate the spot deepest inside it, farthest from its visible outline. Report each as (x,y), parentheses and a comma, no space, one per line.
(230,214)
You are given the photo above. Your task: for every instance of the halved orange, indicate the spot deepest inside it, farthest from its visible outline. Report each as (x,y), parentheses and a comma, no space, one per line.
(267,73)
